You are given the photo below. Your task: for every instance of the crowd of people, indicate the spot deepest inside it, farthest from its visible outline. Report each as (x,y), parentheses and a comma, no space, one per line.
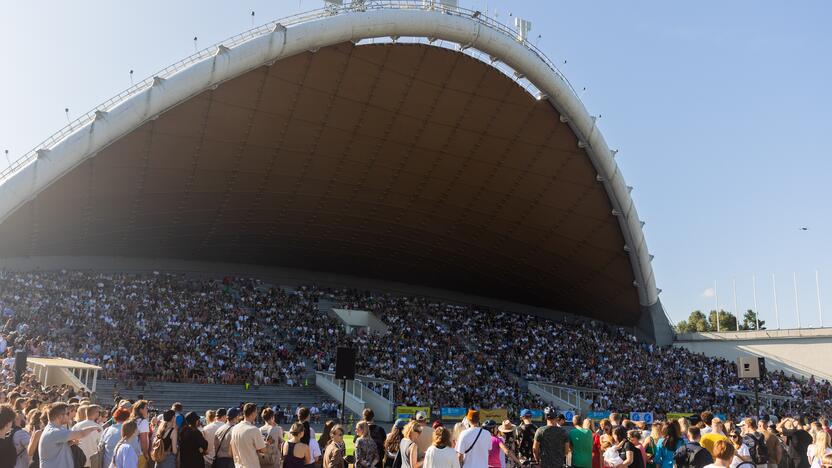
(59,427)
(176,327)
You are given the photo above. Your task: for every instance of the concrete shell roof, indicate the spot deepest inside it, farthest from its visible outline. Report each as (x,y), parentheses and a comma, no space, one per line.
(407,162)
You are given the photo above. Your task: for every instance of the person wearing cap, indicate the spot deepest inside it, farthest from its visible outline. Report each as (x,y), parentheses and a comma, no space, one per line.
(500,454)
(222,440)
(551,442)
(192,443)
(525,436)
(393,442)
(210,429)
(474,444)
(425,439)
(246,440)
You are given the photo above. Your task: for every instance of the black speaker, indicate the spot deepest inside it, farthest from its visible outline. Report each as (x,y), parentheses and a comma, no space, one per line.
(345,364)
(762,362)
(19,365)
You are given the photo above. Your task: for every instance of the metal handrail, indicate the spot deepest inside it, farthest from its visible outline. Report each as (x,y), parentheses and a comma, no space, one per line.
(268,28)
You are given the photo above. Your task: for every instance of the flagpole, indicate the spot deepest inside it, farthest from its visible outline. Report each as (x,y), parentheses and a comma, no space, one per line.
(716,300)
(820,308)
(736,309)
(754,292)
(776,311)
(796,299)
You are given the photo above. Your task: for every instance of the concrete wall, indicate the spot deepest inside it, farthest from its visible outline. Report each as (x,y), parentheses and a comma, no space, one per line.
(803,352)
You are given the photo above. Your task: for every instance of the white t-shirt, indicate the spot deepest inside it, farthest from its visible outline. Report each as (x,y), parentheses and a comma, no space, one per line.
(89,443)
(477,456)
(208,432)
(743,451)
(441,458)
(246,440)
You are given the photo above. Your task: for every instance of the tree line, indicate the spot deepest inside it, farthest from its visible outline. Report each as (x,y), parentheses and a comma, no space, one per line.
(699,322)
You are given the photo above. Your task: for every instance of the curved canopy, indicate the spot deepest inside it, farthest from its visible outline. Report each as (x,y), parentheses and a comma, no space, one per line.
(407,162)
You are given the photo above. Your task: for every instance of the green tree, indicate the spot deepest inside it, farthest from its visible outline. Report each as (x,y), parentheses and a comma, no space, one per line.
(749,321)
(696,322)
(727,321)
(699,322)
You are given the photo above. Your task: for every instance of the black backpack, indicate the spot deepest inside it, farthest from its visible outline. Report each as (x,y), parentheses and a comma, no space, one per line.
(685,456)
(756,444)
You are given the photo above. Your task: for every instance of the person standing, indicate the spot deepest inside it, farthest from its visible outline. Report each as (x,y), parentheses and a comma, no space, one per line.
(366,452)
(376,433)
(125,455)
(271,431)
(692,454)
(551,442)
(192,444)
(581,438)
(209,431)
(111,436)
(335,449)
(441,454)
(246,440)
(141,439)
(222,441)
(296,454)
(53,447)
(89,444)
(425,435)
(170,440)
(525,436)
(473,444)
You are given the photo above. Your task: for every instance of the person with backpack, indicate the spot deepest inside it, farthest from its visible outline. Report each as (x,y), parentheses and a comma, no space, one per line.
(692,454)
(192,444)
(756,443)
(525,436)
(166,442)
(377,433)
(667,446)
(392,444)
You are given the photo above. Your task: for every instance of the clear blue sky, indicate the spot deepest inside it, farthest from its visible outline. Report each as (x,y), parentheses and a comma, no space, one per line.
(721,112)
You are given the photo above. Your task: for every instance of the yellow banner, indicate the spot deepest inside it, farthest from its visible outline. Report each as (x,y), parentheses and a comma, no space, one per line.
(497,414)
(672,416)
(409,412)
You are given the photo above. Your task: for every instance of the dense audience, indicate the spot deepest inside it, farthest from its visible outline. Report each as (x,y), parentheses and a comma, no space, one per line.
(187,328)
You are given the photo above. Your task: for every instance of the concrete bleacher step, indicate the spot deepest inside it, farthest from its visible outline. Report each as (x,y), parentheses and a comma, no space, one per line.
(201,397)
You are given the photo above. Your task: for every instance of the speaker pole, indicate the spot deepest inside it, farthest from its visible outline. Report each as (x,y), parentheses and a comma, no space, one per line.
(344,403)
(757,397)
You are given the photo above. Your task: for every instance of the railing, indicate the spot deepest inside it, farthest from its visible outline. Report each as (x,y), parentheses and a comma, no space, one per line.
(268,28)
(576,397)
(360,391)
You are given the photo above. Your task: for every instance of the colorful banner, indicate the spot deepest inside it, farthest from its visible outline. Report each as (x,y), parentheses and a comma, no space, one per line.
(672,416)
(642,416)
(454,414)
(598,415)
(497,414)
(409,412)
(537,415)
(568,415)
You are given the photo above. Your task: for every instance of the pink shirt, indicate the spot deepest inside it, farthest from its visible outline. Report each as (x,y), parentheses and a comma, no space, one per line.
(496,457)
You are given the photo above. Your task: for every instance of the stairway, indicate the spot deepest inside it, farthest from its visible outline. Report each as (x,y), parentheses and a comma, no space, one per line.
(201,397)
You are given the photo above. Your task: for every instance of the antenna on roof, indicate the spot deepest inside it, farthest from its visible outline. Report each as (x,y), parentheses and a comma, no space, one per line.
(66,111)
(523,27)
(252,18)
(131,77)
(195,46)
(8,161)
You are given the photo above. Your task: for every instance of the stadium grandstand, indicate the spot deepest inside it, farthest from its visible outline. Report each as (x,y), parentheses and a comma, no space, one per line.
(413,160)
